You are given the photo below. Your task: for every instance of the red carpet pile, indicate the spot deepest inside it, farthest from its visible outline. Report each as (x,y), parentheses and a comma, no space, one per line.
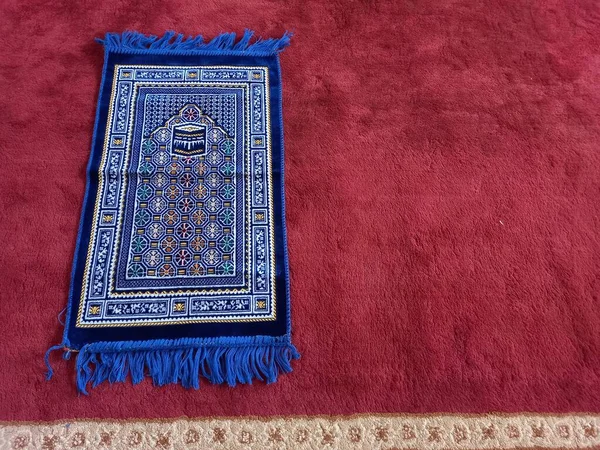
(442,188)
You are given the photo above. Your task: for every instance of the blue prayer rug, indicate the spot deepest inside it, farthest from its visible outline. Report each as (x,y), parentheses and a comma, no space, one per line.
(180,270)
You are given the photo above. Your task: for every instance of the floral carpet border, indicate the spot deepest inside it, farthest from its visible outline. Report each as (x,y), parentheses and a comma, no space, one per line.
(375,431)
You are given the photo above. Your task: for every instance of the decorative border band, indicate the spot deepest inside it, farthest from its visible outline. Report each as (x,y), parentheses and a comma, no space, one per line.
(373,432)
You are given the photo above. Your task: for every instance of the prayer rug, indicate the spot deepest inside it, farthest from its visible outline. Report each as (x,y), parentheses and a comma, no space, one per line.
(181,268)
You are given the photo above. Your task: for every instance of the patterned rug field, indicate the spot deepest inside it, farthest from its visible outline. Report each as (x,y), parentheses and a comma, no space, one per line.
(442,185)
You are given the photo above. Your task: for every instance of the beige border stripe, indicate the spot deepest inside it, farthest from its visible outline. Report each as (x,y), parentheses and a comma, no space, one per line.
(353,432)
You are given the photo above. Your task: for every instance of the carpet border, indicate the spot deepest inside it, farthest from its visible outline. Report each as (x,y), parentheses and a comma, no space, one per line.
(505,431)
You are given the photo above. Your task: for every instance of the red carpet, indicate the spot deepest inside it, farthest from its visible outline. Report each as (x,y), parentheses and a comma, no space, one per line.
(443,206)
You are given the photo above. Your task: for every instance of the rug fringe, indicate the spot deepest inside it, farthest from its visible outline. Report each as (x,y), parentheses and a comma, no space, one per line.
(177,43)
(228,360)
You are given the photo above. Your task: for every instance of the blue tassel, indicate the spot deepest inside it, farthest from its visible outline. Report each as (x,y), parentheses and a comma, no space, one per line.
(224,44)
(60,314)
(50,372)
(184,361)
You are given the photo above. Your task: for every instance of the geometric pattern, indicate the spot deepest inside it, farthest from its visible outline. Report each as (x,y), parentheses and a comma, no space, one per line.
(183,227)
(161,107)
(184,220)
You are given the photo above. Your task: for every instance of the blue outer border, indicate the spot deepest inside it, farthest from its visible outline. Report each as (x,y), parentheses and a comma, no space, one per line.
(74,338)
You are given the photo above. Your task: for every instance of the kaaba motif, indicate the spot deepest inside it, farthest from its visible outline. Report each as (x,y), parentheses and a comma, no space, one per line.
(189,140)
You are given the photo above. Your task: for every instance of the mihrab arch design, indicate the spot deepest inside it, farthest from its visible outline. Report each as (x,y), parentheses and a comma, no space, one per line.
(187,133)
